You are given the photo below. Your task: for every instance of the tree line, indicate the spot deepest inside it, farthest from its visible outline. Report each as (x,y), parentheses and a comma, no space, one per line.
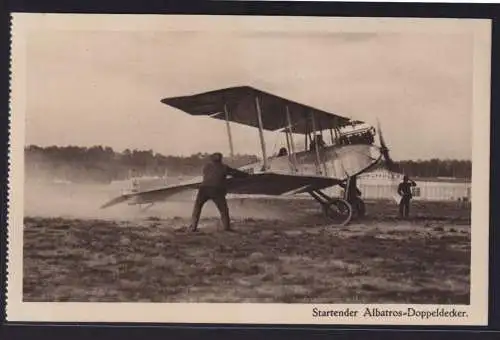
(103,164)
(437,168)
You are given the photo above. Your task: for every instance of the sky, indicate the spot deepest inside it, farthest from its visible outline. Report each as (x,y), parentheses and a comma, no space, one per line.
(104,87)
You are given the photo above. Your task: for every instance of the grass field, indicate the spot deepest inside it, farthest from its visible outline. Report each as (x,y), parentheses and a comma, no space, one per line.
(291,257)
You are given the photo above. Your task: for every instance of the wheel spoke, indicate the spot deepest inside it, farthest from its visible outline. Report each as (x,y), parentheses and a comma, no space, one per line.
(339,211)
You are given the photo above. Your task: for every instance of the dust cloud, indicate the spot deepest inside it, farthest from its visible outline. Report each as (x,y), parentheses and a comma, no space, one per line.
(60,199)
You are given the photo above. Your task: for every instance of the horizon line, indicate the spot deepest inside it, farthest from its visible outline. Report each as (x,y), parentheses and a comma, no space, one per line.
(209,152)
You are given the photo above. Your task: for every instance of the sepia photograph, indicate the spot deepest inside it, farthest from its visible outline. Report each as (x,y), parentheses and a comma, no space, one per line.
(249,169)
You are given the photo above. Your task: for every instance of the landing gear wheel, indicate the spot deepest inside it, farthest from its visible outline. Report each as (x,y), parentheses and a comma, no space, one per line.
(338,211)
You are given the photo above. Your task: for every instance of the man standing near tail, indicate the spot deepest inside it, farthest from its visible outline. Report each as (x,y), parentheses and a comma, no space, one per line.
(213,187)
(404,190)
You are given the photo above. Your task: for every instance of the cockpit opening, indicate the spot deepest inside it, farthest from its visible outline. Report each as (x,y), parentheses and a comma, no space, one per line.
(318,142)
(282,152)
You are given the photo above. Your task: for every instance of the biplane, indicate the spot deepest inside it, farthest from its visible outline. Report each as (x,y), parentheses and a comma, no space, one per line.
(330,155)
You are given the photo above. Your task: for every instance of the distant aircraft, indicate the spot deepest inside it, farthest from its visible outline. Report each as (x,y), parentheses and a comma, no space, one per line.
(290,172)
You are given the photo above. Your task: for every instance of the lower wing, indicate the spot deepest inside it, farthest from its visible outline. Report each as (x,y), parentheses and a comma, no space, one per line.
(271,184)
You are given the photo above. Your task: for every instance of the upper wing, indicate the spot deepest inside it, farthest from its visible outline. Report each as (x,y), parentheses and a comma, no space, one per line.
(272,184)
(240,103)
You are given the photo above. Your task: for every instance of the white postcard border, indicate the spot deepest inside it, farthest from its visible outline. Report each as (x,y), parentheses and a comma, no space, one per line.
(477,311)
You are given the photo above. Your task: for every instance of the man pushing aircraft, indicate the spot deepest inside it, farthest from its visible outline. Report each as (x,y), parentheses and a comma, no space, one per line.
(213,187)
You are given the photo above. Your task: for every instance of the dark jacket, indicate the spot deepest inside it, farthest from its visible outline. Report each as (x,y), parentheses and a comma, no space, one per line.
(214,175)
(404,188)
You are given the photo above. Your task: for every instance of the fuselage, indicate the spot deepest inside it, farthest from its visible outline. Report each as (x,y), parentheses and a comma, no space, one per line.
(336,161)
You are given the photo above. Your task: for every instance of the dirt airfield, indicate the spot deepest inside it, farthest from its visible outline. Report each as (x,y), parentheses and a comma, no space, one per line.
(281,251)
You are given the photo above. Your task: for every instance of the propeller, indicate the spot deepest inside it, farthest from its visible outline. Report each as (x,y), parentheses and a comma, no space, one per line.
(384,150)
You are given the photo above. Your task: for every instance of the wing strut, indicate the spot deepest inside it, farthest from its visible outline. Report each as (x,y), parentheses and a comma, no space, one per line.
(230,137)
(292,143)
(261,132)
(318,158)
(289,148)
